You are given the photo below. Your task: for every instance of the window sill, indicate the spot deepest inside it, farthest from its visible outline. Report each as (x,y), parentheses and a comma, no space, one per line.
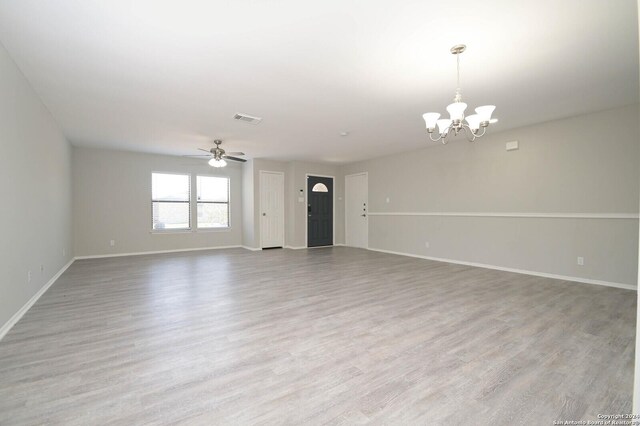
(189,231)
(171,231)
(227,229)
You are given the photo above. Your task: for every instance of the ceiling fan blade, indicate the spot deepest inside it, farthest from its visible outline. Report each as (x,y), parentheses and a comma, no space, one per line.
(203,155)
(235,153)
(228,157)
(205,150)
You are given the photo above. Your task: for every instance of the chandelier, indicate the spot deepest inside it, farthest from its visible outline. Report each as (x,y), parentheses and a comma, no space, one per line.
(473,126)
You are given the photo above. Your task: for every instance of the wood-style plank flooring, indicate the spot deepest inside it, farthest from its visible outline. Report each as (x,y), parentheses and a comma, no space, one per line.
(323,336)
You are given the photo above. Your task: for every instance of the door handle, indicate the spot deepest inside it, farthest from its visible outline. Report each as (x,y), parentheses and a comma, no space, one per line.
(363,215)
(264,214)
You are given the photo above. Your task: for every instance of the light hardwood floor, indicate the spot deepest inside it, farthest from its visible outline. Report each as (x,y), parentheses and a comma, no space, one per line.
(333,335)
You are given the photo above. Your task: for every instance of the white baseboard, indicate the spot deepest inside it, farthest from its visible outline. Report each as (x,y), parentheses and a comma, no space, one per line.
(512,215)
(518,271)
(140,253)
(16,317)
(251,248)
(318,247)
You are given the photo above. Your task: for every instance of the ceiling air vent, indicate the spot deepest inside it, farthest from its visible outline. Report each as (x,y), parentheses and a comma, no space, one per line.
(247,118)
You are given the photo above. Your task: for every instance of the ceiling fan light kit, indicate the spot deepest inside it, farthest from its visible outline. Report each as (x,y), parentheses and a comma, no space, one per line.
(214,162)
(473,126)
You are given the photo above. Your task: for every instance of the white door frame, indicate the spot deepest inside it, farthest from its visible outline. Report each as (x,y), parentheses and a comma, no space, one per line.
(345,205)
(260,203)
(306,209)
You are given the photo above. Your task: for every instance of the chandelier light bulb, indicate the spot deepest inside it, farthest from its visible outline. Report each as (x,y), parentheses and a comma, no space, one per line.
(485,112)
(473,121)
(456,110)
(443,125)
(430,119)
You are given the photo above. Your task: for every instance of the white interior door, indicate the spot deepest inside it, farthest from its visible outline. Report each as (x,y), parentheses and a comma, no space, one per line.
(357,210)
(271,209)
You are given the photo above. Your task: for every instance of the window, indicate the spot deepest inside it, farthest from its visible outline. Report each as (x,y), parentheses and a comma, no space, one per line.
(170,194)
(213,202)
(319,187)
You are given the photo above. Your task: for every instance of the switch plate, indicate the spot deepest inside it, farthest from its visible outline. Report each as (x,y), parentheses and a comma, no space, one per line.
(512,146)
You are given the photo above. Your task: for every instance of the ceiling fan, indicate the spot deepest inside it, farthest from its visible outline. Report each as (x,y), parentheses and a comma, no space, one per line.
(219,155)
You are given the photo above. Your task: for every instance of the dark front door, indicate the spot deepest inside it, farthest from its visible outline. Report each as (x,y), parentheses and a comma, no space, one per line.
(319,211)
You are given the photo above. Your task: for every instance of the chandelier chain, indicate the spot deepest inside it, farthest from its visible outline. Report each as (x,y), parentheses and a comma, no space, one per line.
(458,97)
(458,61)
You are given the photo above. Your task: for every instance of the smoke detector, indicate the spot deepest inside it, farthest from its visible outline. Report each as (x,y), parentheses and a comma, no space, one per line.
(246,118)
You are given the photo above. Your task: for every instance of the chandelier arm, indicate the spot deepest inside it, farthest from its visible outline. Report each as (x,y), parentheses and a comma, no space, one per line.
(484,130)
(435,140)
(447,133)
(467,132)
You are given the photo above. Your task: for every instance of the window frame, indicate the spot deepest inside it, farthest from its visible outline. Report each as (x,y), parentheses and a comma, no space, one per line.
(188,202)
(197,202)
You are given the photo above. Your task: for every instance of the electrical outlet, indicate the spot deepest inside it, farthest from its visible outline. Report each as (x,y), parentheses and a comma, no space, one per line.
(388,200)
(28,276)
(112,243)
(64,252)
(426,244)
(580,261)
(42,269)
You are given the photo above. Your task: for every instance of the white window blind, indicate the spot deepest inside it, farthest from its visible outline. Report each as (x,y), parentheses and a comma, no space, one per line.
(213,202)
(170,194)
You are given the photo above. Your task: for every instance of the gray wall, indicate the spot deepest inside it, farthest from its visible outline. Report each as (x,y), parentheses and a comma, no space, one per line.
(584,164)
(112,201)
(124,179)
(35,170)
(248,207)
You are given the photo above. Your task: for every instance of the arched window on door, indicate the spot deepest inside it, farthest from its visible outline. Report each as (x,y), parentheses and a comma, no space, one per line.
(320,187)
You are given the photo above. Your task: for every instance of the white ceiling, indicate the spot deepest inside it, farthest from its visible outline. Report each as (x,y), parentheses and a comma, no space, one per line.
(167,76)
